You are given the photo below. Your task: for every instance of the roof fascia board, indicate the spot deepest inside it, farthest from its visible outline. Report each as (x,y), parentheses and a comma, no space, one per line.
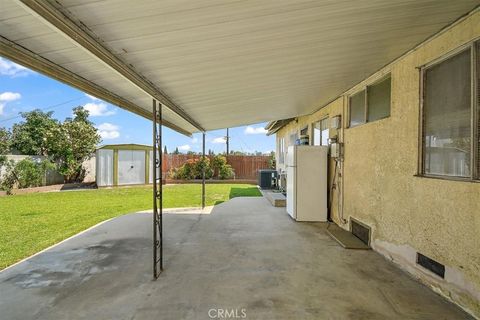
(83,38)
(22,56)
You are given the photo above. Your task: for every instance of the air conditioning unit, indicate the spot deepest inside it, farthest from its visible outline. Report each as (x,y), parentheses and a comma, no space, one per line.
(266,178)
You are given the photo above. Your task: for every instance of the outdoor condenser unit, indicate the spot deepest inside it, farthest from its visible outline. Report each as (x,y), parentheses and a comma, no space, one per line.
(266,177)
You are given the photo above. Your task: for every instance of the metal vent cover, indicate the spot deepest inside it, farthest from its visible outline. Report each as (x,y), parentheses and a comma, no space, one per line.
(431,265)
(360,230)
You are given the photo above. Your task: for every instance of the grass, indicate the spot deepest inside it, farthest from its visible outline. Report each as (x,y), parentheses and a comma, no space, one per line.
(32,222)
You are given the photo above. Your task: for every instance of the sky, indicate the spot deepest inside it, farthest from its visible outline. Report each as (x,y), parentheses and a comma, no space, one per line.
(23,90)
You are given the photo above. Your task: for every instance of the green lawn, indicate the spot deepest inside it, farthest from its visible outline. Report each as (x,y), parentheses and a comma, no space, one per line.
(32,222)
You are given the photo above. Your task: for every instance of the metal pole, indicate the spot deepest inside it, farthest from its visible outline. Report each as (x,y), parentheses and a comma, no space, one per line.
(155,209)
(203,170)
(157,191)
(228,143)
(160,198)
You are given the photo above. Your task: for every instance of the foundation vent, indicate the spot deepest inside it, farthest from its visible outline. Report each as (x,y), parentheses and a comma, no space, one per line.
(430,264)
(361,231)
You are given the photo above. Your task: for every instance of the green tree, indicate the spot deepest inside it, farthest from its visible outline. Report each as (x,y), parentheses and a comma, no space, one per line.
(29,136)
(72,143)
(5,141)
(176,151)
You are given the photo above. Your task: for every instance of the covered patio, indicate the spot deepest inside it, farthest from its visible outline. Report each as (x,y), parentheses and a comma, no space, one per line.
(245,256)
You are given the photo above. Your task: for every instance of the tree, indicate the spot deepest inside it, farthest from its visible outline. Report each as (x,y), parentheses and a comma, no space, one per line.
(176,151)
(73,143)
(5,141)
(165,150)
(29,136)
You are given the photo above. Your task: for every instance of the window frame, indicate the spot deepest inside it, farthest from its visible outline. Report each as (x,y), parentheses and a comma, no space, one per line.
(365,111)
(319,121)
(474,48)
(281,150)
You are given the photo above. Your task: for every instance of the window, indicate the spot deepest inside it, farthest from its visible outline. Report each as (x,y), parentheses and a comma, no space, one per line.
(293,139)
(357,109)
(281,150)
(320,133)
(371,104)
(378,98)
(448,139)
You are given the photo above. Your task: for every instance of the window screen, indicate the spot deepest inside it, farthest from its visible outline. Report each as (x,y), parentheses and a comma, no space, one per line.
(447,117)
(357,109)
(281,150)
(324,131)
(320,133)
(316,134)
(379,100)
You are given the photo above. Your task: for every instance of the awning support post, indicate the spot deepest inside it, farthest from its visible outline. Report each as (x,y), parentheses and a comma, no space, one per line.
(157,191)
(203,170)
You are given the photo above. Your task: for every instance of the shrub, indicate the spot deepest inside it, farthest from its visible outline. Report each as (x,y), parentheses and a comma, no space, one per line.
(192,169)
(24,174)
(226,172)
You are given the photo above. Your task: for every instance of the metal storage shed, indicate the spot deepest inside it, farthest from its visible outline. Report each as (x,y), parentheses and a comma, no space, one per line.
(124,164)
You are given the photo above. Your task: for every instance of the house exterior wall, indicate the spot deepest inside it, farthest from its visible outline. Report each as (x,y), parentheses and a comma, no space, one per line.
(379,187)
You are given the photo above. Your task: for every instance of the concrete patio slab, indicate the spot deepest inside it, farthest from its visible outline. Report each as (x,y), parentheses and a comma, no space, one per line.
(246,256)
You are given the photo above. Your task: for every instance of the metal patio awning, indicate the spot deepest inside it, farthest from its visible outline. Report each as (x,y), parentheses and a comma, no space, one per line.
(217,63)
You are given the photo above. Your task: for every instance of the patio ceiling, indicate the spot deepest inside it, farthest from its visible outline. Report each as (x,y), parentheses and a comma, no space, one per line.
(217,63)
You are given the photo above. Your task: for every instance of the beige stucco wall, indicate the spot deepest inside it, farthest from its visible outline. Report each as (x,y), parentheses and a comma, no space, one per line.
(409,214)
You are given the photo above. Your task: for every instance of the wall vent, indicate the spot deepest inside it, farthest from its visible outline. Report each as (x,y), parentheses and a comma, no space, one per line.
(361,231)
(430,264)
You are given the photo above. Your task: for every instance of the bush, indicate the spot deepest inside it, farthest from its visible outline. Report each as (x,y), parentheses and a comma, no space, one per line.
(192,169)
(24,174)
(226,172)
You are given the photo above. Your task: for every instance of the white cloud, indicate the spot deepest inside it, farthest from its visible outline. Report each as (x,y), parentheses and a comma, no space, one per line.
(185,147)
(98,109)
(108,131)
(8,68)
(219,140)
(7,97)
(255,130)
(91,97)
(194,140)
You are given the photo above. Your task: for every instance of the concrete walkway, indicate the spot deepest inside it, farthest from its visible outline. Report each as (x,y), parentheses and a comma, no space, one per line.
(245,257)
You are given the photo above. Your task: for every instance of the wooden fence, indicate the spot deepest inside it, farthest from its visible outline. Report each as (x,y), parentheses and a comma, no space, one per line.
(245,167)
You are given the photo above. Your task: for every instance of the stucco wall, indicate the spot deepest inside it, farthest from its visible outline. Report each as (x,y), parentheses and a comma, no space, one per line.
(409,214)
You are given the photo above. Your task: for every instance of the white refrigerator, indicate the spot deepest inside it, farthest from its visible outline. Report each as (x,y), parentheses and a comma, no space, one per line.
(307,183)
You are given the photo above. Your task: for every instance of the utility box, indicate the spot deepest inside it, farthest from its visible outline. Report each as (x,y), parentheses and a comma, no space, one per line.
(266,178)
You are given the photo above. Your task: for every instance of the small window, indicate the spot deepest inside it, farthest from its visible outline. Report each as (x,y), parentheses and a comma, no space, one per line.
(320,133)
(378,98)
(447,116)
(371,104)
(293,139)
(357,109)
(304,131)
(281,150)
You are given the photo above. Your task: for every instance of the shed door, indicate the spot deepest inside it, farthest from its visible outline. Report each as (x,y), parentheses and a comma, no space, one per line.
(131,167)
(104,169)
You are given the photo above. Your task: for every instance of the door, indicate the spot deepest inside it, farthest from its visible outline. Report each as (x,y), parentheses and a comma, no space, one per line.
(104,169)
(131,167)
